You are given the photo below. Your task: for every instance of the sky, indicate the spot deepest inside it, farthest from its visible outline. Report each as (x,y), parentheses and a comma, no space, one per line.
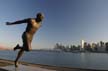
(66,21)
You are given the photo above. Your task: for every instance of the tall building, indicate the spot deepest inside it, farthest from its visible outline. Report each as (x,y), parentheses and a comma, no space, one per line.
(82,45)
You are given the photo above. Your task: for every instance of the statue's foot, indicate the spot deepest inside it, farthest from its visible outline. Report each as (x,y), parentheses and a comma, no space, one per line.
(16,47)
(16,64)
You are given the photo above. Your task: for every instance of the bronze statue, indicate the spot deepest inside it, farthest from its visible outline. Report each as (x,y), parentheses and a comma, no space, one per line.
(33,24)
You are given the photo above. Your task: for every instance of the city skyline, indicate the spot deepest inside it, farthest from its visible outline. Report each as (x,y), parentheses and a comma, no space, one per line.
(66,21)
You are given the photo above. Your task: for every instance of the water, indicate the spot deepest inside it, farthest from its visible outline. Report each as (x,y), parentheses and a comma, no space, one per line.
(64,59)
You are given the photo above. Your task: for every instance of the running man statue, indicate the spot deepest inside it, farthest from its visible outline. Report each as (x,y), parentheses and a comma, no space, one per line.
(33,24)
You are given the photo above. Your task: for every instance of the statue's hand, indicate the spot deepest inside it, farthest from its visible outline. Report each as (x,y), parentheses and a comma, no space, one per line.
(8,23)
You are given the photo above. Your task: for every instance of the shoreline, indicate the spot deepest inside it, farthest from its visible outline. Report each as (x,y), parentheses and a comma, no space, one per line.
(77,51)
(4,62)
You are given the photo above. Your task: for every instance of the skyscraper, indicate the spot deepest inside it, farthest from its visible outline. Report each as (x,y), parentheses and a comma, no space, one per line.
(82,45)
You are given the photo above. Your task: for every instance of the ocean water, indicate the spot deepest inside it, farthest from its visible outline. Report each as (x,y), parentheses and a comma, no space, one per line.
(63,59)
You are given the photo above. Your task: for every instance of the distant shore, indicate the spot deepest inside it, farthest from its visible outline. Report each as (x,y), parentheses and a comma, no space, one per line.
(72,51)
(38,50)
(4,63)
